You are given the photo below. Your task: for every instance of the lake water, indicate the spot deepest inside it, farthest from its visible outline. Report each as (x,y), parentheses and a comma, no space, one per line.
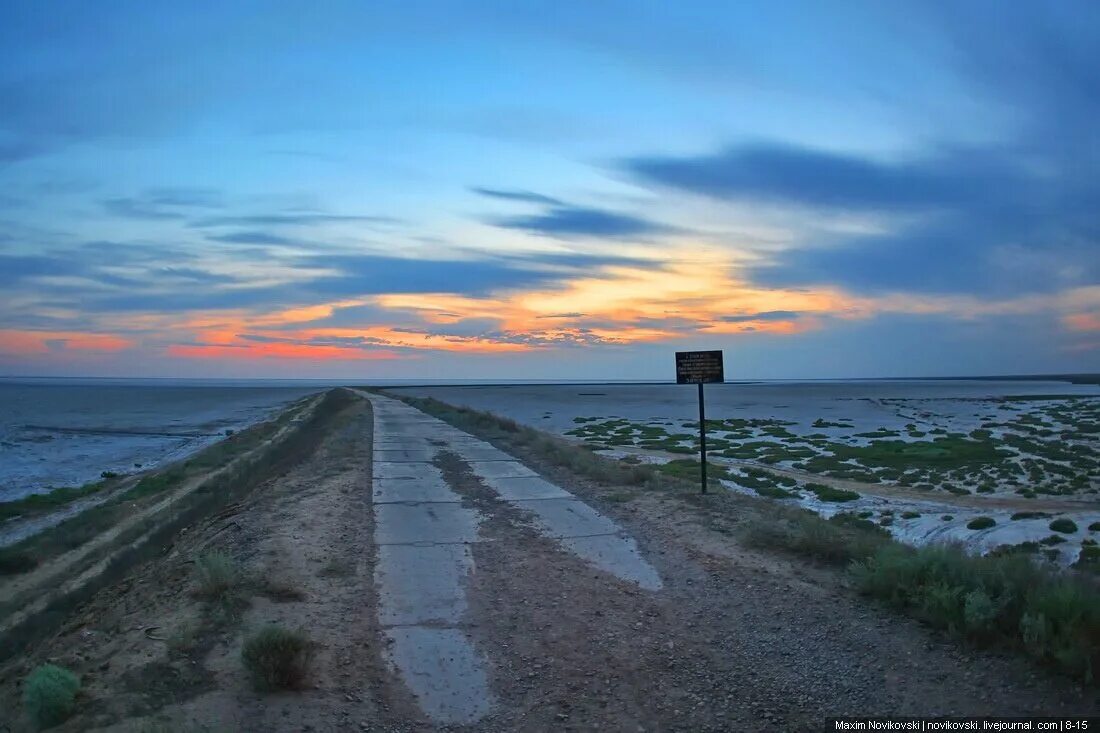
(66,434)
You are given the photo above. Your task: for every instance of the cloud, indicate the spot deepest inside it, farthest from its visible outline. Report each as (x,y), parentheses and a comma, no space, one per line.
(252,237)
(310,219)
(14,268)
(1012,215)
(763,316)
(567,222)
(130,208)
(375,274)
(194,274)
(794,175)
(164,203)
(527,197)
(985,220)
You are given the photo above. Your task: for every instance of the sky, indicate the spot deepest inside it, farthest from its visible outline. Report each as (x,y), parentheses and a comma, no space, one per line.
(548,190)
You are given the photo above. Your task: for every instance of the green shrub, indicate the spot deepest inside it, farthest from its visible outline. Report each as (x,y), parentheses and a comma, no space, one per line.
(216,575)
(910,515)
(1006,596)
(828,493)
(836,541)
(979,613)
(1094,527)
(774,492)
(947,517)
(981,523)
(1029,515)
(1067,526)
(49,695)
(277,658)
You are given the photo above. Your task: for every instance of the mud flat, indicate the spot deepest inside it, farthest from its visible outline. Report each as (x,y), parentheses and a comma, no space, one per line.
(991,464)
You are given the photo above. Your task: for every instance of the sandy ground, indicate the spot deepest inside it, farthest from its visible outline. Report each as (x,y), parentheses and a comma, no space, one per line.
(734,640)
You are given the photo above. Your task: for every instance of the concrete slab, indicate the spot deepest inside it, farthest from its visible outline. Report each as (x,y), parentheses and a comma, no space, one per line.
(420,585)
(500,469)
(413,455)
(390,490)
(424,523)
(407,469)
(403,443)
(525,488)
(618,555)
(488,453)
(443,671)
(570,518)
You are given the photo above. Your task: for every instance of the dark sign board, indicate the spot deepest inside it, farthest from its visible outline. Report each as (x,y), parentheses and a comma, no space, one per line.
(699,367)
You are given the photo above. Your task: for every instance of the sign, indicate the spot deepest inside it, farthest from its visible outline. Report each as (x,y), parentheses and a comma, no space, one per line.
(699,367)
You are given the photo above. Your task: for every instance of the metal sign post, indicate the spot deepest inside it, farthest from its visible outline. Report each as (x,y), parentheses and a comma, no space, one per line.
(700,367)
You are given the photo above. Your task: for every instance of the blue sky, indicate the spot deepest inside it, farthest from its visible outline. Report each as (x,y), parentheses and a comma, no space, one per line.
(538,190)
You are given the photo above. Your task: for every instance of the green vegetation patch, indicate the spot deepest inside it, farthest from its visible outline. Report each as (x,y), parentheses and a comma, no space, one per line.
(686,468)
(277,658)
(837,541)
(1089,559)
(829,493)
(1029,515)
(823,423)
(49,695)
(1054,618)
(41,503)
(1068,526)
(939,453)
(981,523)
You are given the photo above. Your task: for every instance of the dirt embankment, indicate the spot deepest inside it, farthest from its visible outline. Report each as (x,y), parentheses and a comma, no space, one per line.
(735,640)
(154,656)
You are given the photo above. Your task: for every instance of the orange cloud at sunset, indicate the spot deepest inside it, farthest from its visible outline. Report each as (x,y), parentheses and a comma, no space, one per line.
(273,351)
(693,294)
(1082,322)
(43,342)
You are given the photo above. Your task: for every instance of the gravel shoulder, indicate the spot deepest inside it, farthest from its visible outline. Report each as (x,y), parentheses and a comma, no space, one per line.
(736,639)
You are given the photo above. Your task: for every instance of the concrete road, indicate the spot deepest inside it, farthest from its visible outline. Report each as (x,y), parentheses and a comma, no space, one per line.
(423,533)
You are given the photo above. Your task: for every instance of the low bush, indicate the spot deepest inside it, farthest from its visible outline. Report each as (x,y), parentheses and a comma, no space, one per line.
(49,695)
(981,523)
(774,492)
(1006,597)
(837,541)
(828,493)
(277,658)
(1029,515)
(1066,526)
(216,576)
